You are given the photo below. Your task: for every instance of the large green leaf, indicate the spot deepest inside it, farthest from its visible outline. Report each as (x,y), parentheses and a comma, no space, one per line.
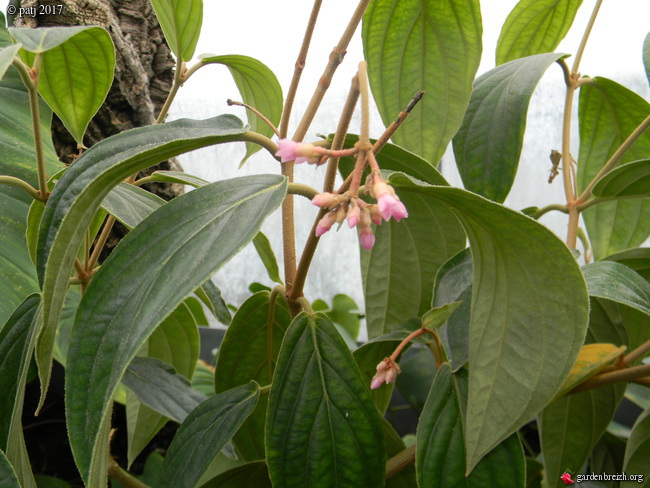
(572,425)
(454,282)
(440,455)
(17,341)
(17,277)
(130,204)
(181,23)
(528,317)
(535,27)
(427,45)
(637,259)
(615,281)
(323,428)
(488,144)
(175,341)
(82,188)
(76,70)
(259,88)
(156,266)
(7,55)
(636,452)
(159,386)
(204,433)
(399,271)
(255,474)
(628,181)
(249,351)
(608,114)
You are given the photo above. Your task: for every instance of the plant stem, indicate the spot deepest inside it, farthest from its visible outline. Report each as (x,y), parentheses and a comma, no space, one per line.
(585,36)
(305,259)
(299,67)
(100,243)
(609,378)
(339,136)
(639,352)
(400,461)
(548,208)
(30,79)
(305,305)
(256,112)
(364,137)
(335,59)
(179,79)
(302,190)
(615,158)
(23,185)
(409,338)
(118,474)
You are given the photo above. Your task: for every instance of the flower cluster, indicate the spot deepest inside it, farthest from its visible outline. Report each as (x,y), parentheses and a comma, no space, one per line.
(356,211)
(388,202)
(387,371)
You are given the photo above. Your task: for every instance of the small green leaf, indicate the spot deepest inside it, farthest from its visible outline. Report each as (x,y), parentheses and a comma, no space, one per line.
(631,180)
(528,314)
(129,296)
(488,144)
(418,45)
(7,56)
(266,254)
(177,177)
(204,433)
(258,87)
(440,445)
(181,22)
(203,379)
(76,70)
(8,478)
(211,297)
(535,27)
(454,282)
(617,282)
(158,385)
(255,474)
(608,113)
(437,316)
(130,204)
(323,428)
(636,453)
(249,351)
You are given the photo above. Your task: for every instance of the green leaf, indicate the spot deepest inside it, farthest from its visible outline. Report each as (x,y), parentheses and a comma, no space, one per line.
(617,282)
(393,158)
(454,282)
(636,453)
(181,23)
(628,181)
(17,277)
(489,141)
(646,55)
(637,259)
(440,445)
(422,45)
(203,379)
(395,445)
(76,70)
(204,433)
(265,252)
(8,478)
(211,297)
(437,316)
(177,177)
(130,204)
(571,426)
(84,185)
(175,341)
(323,428)
(608,113)
(249,351)
(607,456)
(258,87)
(138,286)
(17,339)
(7,56)
(399,271)
(528,315)
(535,27)
(158,385)
(250,474)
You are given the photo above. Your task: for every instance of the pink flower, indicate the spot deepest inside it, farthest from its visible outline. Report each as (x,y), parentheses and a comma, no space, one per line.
(387,371)
(287,150)
(390,206)
(367,238)
(324,200)
(325,223)
(297,152)
(566,477)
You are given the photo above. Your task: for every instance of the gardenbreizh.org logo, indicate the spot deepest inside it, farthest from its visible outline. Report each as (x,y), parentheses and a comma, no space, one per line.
(567,477)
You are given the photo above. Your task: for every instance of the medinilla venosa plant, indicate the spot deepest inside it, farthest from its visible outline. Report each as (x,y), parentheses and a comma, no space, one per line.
(532,342)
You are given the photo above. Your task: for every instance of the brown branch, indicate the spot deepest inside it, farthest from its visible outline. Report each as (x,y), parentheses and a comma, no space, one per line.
(609,378)
(400,461)
(259,114)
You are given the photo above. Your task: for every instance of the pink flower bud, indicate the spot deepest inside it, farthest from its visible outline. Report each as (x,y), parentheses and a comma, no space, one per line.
(324,200)
(297,152)
(325,223)
(387,371)
(354,214)
(367,238)
(286,150)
